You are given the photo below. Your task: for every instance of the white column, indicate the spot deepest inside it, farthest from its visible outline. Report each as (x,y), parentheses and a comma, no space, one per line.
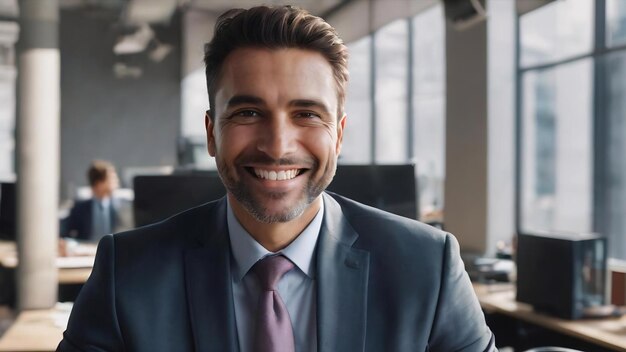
(466,136)
(38,154)
(480,154)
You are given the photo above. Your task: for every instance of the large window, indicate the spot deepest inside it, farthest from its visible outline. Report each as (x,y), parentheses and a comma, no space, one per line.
(615,102)
(556,31)
(429,106)
(358,132)
(8,74)
(615,22)
(572,69)
(391,47)
(557,148)
(396,101)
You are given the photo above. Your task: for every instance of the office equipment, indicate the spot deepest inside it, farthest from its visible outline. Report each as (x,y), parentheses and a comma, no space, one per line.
(8,216)
(387,187)
(485,269)
(392,188)
(563,275)
(158,197)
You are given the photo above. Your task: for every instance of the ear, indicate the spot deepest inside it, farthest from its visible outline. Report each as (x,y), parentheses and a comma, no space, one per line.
(210,137)
(340,126)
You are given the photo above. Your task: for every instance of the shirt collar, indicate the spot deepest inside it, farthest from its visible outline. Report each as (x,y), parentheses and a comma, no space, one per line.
(104,202)
(247,251)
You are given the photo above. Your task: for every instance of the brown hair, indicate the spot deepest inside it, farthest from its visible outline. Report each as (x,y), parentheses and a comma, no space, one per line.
(275,28)
(99,170)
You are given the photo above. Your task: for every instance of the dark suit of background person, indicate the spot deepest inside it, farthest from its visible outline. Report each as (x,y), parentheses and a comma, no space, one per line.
(381,282)
(386,283)
(79,224)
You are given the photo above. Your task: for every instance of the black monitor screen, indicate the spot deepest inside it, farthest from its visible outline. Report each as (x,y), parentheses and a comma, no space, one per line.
(388,187)
(8,212)
(158,197)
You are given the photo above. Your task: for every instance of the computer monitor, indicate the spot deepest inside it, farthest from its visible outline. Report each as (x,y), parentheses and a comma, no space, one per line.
(158,197)
(387,187)
(8,213)
(392,188)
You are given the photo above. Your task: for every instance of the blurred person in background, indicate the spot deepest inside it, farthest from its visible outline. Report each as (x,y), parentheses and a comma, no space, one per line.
(92,218)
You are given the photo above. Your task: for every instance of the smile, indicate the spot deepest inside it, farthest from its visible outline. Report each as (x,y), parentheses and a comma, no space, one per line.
(272,175)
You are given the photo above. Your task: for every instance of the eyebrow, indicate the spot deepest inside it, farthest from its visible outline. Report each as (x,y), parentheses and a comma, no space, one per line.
(307,103)
(245,99)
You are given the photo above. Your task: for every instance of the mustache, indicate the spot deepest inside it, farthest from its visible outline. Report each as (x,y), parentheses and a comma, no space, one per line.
(264,159)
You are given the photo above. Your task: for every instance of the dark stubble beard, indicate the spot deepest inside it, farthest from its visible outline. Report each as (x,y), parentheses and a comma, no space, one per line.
(258,210)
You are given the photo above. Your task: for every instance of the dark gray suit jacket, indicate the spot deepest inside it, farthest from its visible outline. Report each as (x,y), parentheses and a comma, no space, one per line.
(384,283)
(78,223)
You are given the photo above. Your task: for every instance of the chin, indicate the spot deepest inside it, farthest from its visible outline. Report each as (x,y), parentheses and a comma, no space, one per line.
(280,210)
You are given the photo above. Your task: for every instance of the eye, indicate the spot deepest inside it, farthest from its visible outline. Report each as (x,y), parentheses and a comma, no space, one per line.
(307,115)
(246,113)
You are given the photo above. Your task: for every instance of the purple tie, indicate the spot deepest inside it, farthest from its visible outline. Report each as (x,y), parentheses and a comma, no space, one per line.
(273,326)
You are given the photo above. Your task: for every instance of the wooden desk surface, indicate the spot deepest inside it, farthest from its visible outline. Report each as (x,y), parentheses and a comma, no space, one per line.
(500,298)
(36,330)
(72,270)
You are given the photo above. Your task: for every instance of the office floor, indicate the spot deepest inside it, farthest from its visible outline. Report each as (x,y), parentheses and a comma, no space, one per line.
(7,316)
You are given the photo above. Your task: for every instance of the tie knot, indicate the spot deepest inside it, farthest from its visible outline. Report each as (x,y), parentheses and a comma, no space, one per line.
(270,269)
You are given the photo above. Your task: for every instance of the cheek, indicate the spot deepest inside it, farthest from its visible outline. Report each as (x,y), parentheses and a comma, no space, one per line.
(322,143)
(232,140)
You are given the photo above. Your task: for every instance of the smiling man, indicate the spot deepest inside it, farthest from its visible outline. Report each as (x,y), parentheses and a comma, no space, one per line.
(275,137)
(278,264)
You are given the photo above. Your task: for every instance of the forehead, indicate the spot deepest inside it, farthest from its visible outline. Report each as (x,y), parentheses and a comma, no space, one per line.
(277,76)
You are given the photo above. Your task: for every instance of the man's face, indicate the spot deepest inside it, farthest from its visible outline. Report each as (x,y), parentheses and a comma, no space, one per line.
(106,187)
(275,134)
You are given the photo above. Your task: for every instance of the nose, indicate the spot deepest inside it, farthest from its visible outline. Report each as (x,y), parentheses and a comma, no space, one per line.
(277,137)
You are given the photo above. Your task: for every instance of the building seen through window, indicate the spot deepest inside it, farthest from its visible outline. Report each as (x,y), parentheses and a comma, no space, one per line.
(572,73)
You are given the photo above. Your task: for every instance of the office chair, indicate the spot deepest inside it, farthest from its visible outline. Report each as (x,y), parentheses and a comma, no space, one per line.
(551,349)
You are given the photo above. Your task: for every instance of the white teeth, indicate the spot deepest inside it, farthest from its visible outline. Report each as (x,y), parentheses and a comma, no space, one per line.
(276,175)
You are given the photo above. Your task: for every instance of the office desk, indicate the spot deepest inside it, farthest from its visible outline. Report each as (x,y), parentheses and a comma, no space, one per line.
(36,330)
(72,270)
(500,298)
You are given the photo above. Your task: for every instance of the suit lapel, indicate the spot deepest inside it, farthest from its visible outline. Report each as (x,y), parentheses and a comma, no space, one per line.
(342,273)
(209,289)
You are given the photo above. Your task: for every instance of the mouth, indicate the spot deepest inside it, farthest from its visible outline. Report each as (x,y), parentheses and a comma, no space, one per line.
(275,175)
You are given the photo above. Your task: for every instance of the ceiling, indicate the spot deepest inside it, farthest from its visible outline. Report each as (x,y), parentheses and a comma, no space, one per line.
(316,7)
(161,10)
(155,11)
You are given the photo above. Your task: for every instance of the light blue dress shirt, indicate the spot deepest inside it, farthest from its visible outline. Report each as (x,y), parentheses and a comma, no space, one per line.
(296,288)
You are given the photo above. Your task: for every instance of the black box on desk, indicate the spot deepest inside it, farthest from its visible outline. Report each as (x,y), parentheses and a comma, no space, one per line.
(561,274)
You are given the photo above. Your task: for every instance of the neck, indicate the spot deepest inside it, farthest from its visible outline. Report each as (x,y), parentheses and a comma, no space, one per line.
(278,235)
(100,196)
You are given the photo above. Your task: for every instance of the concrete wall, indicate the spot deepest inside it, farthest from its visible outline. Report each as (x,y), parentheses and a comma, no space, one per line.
(466,136)
(133,122)
(480,154)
